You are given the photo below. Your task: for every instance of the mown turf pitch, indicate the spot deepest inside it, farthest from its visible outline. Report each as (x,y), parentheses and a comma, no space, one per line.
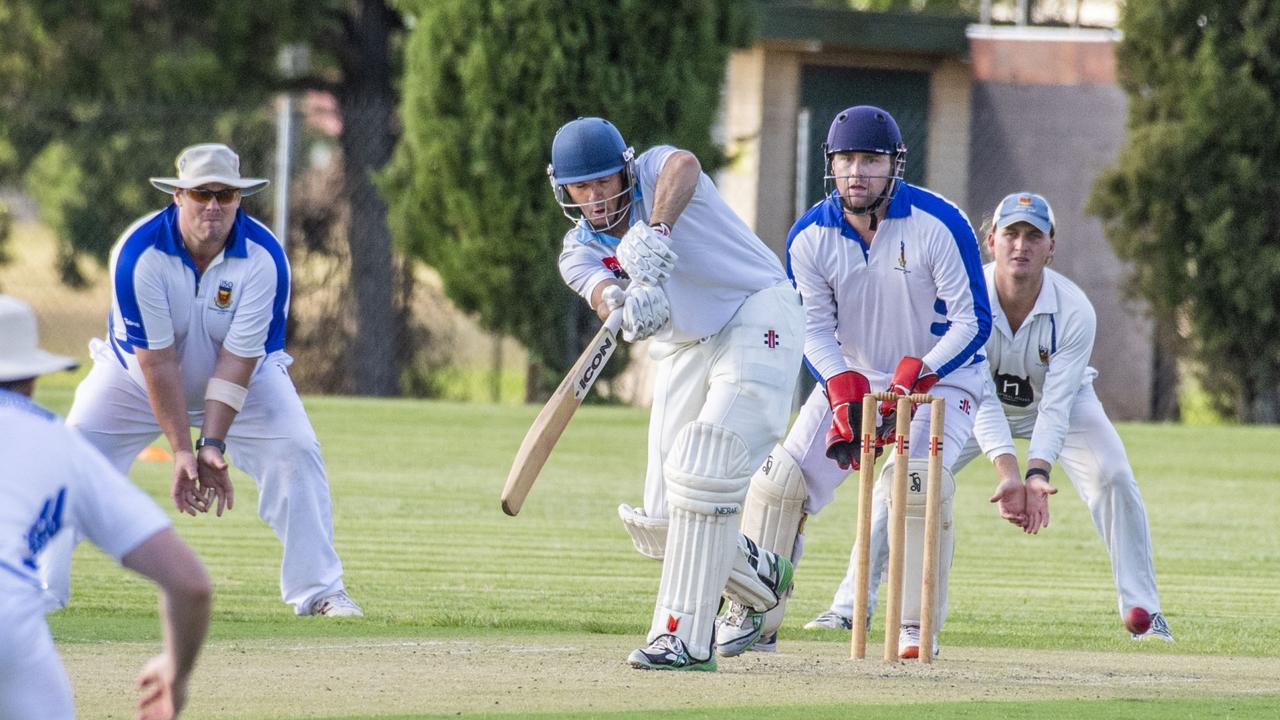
(471,612)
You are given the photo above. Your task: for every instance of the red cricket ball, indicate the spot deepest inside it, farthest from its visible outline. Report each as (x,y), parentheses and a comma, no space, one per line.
(1137,620)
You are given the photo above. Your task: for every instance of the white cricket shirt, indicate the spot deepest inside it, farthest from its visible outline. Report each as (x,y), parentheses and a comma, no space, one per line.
(240,302)
(54,481)
(1036,372)
(916,290)
(721,261)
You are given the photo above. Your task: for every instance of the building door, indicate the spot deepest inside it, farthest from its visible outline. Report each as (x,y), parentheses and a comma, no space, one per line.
(826,90)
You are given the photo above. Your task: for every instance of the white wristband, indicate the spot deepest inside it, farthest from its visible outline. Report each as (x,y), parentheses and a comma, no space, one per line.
(226,392)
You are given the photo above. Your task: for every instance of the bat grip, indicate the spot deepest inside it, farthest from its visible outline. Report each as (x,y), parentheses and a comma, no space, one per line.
(614,321)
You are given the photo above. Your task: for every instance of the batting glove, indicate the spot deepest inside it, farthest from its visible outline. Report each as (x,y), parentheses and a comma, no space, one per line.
(645,312)
(646,255)
(844,392)
(908,379)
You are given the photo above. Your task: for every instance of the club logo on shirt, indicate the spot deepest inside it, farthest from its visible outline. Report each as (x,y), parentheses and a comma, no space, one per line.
(1014,390)
(902,258)
(1044,355)
(615,267)
(772,339)
(223,298)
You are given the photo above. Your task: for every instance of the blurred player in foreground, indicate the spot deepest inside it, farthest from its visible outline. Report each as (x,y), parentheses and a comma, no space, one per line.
(195,338)
(54,482)
(1042,389)
(653,239)
(894,299)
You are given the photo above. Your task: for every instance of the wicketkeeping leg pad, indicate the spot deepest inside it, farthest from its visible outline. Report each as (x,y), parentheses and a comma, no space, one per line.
(913,552)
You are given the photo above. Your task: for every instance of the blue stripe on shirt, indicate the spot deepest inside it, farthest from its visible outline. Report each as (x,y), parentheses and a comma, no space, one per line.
(967,243)
(146,236)
(258,233)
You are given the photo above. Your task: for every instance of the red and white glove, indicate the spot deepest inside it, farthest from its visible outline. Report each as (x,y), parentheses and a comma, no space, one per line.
(909,378)
(845,392)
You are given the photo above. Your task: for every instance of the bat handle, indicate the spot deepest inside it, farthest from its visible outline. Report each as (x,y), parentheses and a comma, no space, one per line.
(614,321)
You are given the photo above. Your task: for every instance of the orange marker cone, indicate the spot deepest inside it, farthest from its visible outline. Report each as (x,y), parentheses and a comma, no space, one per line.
(155,454)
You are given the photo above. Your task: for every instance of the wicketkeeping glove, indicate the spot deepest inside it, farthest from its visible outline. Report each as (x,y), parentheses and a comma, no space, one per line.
(907,380)
(844,392)
(645,254)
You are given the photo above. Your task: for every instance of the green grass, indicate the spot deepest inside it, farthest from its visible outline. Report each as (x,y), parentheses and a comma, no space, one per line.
(430,555)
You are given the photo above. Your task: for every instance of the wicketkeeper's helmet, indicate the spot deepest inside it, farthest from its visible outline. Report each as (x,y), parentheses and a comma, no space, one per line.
(866,128)
(590,148)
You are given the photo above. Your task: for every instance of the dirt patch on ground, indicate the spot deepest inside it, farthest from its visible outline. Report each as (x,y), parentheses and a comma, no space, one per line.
(290,679)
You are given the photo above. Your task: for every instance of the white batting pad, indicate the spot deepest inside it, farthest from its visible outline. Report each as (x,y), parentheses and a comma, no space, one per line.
(649,535)
(707,474)
(913,552)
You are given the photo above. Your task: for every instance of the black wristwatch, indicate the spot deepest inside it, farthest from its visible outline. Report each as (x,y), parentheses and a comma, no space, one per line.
(211,442)
(1037,471)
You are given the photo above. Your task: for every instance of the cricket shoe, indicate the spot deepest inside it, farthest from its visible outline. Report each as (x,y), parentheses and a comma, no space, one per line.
(829,620)
(668,652)
(909,643)
(766,644)
(1159,630)
(338,604)
(740,627)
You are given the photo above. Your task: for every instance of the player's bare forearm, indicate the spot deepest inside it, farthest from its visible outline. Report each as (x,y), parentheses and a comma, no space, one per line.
(164,390)
(186,594)
(676,182)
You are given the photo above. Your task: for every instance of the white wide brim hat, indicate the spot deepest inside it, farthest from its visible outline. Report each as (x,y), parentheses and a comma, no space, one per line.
(208,164)
(20,354)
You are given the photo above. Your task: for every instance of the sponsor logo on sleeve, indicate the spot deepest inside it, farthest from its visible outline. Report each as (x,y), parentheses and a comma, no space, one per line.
(771,339)
(615,267)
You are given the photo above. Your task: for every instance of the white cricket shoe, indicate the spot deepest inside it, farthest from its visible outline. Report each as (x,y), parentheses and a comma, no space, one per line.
(909,643)
(338,604)
(829,620)
(1159,630)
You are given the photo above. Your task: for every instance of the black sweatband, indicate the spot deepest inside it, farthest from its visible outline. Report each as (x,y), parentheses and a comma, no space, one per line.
(1037,471)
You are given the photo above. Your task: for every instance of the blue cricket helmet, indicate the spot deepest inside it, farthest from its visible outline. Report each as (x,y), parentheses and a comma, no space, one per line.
(867,128)
(590,148)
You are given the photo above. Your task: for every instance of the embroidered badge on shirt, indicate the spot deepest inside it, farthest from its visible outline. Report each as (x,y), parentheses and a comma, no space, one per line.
(902,258)
(223,298)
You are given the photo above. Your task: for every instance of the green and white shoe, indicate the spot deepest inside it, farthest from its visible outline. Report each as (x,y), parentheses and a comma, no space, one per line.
(668,652)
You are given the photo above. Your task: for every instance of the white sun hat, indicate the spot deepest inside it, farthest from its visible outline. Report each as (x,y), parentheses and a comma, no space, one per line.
(209,163)
(20,354)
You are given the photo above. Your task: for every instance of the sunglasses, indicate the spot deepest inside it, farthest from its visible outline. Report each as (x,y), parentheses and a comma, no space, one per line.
(205,196)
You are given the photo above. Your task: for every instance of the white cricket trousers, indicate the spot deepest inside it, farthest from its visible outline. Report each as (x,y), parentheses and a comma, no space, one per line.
(271,440)
(742,378)
(33,683)
(1095,461)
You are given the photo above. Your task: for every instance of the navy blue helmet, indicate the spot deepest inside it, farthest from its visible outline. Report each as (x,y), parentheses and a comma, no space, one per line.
(866,128)
(590,148)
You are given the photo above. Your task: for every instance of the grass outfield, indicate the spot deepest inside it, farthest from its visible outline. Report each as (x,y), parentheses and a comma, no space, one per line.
(472,612)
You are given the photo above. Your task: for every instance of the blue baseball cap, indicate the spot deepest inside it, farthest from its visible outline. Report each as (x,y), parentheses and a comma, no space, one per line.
(1025,207)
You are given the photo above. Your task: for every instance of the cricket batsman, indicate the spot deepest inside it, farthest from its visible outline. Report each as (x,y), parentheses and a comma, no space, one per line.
(653,239)
(894,298)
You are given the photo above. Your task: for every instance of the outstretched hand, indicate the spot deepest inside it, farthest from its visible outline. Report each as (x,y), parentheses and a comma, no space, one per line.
(1038,491)
(163,697)
(215,481)
(187,496)
(1011,500)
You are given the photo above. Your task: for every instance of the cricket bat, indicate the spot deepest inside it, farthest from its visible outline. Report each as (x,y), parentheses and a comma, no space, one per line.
(555,415)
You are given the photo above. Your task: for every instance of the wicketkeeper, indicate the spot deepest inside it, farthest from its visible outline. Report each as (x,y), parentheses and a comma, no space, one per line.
(894,299)
(653,239)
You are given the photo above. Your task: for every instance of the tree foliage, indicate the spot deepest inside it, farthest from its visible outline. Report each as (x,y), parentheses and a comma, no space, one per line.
(1193,201)
(487,84)
(96,97)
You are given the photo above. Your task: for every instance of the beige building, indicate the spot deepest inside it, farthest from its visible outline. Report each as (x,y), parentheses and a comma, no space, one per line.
(985,110)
